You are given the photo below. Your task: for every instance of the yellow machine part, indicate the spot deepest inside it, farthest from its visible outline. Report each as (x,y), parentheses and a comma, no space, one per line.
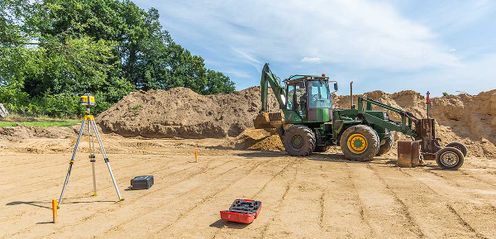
(267,120)
(357,143)
(87,100)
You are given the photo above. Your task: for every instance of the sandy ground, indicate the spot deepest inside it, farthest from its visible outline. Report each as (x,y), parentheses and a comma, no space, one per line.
(321,196)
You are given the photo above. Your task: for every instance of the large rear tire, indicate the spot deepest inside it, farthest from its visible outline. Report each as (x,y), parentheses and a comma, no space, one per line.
(388,144)
(449,158)
(299,140)
(360,143)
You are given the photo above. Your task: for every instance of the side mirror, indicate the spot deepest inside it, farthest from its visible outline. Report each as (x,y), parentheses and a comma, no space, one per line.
(335,86)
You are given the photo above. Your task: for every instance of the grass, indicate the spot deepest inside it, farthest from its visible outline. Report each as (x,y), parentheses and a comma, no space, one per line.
(41,123)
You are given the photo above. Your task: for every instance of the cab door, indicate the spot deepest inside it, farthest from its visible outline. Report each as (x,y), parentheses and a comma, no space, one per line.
(318,101)
(296,105)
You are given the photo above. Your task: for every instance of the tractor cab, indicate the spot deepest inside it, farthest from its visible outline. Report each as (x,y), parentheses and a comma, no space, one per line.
(303,99)
(308,99)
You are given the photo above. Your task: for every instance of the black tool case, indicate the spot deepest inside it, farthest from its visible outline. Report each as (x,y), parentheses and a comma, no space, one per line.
(142,182)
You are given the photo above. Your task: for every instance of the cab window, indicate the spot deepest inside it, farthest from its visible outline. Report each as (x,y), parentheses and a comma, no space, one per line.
(290,97)
(296,98)
(320,96)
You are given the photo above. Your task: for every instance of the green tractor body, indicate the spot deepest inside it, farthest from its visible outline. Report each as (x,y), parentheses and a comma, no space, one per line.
(306,105)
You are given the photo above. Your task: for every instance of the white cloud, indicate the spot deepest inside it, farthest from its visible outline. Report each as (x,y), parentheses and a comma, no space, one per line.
(446,16)
(359,37)
(310,59)
(248,57)
(474,76)
(367,34)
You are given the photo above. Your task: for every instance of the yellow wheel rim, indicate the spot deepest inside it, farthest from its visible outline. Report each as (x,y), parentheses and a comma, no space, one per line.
(357,143)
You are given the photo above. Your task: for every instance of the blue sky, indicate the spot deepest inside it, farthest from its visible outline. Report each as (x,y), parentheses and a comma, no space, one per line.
(440,46)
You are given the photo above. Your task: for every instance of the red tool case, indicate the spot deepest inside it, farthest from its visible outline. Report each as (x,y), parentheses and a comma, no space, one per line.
(242,211)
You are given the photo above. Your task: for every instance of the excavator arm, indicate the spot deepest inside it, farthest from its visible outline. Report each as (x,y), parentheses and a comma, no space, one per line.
(266,119)
(268,78)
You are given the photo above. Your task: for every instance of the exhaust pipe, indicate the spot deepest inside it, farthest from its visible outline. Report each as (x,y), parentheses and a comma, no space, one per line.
(351,95)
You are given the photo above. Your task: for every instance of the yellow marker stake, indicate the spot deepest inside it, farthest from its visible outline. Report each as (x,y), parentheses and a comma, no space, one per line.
(196,155)
(55,205)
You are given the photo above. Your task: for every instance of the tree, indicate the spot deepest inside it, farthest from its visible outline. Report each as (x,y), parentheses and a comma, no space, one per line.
(217,83)
(59,49)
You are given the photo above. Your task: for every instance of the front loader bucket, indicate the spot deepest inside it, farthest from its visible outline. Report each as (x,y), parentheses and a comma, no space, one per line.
(408,153)
(266,120)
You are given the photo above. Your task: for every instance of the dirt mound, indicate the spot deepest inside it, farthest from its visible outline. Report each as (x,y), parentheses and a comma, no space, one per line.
(470,119)
(180,112)
(25,132)
(258,139)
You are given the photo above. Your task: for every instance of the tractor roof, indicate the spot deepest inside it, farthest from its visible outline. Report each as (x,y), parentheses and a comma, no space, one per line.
(302,78)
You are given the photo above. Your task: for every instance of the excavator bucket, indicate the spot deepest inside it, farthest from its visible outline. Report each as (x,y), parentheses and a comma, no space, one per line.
(266,120)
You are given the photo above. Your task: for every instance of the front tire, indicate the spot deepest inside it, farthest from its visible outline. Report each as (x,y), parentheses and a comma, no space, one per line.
(360,143)
(299,140)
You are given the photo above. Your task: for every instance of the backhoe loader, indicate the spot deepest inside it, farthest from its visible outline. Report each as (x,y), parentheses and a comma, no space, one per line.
(307,122)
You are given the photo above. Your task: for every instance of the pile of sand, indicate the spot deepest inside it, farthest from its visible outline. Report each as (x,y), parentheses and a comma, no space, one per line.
(258,139)
(470,119)
(25,132)
(182,113)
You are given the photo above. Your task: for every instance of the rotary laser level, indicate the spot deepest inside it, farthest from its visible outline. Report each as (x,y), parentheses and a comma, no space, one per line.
(88,101)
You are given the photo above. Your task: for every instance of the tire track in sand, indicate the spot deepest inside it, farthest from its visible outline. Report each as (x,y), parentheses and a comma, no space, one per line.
(305,193)
(359,200)
(177,177)
(280,173)
(41,184)
(148,210)
(280,204)
(341,211)
(472,209)
(182,197)
(20,213)
(477,178)
(404,207)
(431,214)
(222,190)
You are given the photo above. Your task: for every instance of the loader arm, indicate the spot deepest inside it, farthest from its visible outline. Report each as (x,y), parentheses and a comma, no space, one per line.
(268,78)
(407,118)
(423,130)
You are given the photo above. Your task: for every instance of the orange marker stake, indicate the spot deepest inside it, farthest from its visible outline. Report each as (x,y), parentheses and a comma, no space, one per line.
(55,205)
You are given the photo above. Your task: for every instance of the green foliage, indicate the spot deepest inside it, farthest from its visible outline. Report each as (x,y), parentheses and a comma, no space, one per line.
(446,94)
(52,51)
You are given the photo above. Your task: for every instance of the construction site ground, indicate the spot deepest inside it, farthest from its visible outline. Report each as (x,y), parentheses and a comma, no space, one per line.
(320,196)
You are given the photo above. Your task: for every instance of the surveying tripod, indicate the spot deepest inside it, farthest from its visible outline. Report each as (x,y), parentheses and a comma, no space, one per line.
(89,120)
